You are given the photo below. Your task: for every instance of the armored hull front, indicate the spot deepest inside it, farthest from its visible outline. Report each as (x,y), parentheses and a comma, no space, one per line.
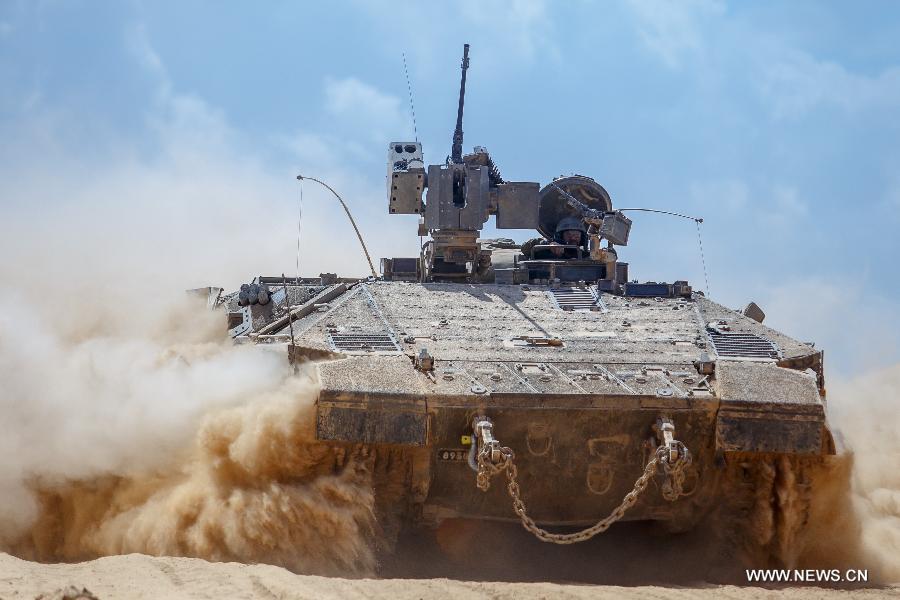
(574,381)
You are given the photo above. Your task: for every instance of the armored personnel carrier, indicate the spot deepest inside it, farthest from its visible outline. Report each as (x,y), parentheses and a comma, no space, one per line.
(583,396)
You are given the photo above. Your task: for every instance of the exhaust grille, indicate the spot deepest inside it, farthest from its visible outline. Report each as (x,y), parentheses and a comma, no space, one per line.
(734,344)
(575,298)
(363,343)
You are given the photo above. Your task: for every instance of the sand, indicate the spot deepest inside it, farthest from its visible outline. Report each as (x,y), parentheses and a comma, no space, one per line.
(136,576)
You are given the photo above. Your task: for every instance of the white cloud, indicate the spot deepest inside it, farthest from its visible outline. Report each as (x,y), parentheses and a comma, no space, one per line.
(502,33)
(352,95)
(522,25)
(789,80)
(729,194)
(148,59)
(787,201)
(673,29)
(185,123)
(778,205)
(783,207)
(363,106)
(316,150)
(793,82)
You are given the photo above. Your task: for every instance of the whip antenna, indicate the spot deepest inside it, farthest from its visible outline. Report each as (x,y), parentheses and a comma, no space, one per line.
(598,214)
(702,259)
(287,303)
(299,219)
(697,221)
(412,107)
(349,216)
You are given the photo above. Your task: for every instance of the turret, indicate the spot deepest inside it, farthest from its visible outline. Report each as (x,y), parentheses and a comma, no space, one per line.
(455,199)
(459,197)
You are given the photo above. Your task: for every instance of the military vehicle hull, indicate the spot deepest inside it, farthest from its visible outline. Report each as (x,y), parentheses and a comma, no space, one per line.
(575,382)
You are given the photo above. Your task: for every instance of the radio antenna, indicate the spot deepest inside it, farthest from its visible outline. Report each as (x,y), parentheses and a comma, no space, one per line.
(299,221)
(697,221)
(580,206)
(412,107)
(349,216)
(702,258)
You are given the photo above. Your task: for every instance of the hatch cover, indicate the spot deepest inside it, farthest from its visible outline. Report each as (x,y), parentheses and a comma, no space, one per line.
(576,298)
(733,344)
(364,343)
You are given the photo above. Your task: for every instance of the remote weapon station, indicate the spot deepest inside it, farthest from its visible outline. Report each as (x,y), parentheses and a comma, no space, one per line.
(537,383)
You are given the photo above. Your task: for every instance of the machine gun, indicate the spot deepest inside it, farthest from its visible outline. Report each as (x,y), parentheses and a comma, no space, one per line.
(601,264)
(456,153)
(454,201)
(611,225)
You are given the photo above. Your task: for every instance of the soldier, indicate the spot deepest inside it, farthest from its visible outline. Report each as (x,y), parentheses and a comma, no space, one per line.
(569,232)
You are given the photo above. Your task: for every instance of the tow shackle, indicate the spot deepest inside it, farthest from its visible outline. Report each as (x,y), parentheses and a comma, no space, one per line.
(666,430)
(484,434)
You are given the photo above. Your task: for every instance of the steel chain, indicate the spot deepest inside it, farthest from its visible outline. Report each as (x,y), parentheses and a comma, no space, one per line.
(672,489)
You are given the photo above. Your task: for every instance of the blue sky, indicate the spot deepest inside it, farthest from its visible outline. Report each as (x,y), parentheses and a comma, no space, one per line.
(163,138)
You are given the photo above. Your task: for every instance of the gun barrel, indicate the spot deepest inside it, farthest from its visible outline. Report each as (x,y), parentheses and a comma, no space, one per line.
(586,213)
(456,154)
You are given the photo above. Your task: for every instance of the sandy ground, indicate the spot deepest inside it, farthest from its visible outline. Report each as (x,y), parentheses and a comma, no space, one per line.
(137,576)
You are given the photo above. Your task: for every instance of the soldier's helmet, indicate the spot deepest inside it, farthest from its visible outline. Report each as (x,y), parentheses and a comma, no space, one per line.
(569,224)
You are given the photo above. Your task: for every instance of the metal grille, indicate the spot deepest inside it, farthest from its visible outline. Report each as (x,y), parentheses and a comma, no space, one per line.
(742,345)
(575,298)
(363,342)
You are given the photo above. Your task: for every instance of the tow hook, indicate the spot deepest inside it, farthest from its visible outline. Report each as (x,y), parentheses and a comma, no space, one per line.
(487,457)
(678,458)
(666,431)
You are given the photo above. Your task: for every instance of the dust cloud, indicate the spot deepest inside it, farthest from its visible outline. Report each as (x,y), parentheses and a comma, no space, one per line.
(135,426)
(128,422)
(866,411)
